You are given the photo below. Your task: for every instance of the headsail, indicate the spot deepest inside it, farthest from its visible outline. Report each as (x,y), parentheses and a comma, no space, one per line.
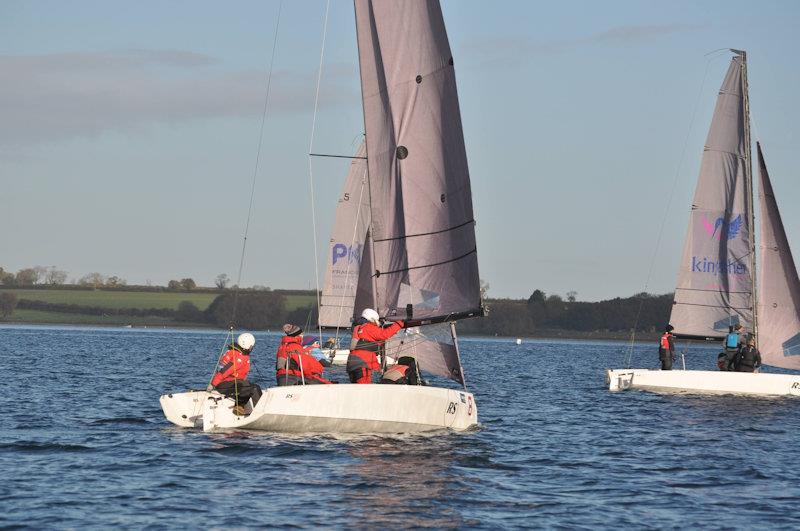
(715,281)
(346,247)
(778,285)
(432,346)
(423,236)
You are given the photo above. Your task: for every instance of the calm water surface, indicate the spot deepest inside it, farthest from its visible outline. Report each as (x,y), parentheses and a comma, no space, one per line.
(83,444)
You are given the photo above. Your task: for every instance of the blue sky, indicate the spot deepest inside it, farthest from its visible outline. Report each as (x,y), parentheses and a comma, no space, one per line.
(129,134)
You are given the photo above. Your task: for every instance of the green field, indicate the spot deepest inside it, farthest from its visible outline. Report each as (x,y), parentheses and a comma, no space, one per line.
(136,299)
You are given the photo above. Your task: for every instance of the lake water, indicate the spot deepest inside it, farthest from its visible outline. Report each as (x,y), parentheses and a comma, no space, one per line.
(83,444)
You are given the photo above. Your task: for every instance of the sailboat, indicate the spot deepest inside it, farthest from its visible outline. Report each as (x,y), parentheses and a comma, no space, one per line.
(419,260)
(718,283)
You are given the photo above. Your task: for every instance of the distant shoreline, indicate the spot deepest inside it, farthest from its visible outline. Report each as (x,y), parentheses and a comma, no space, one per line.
(549,335)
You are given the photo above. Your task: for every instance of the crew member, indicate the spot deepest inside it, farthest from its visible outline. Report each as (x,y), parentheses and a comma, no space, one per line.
(666,348)
(311,346)
(369,338)
(396,374)
(230,378)
(749,358)
(730,348)
(293,365)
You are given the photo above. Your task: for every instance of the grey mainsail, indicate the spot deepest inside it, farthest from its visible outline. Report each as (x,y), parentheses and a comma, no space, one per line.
(715,282)
(425,265)
(346,247)
(778,285)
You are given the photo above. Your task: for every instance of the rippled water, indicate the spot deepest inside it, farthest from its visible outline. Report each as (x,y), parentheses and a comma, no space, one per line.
(83,443)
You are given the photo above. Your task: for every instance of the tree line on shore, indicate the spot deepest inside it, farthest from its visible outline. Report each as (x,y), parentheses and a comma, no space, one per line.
(260,307)
(260,310)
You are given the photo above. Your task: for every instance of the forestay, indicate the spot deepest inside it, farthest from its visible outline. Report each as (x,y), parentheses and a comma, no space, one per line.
(714,288)
(346,247)
(423,236)
(778,285)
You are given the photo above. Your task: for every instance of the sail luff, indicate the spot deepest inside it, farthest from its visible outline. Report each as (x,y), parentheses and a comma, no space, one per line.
(778,283)
(714,288)
(749,180)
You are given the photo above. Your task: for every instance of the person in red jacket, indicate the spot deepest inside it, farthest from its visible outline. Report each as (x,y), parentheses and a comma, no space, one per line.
(293,364)
(230,378)
(368,338)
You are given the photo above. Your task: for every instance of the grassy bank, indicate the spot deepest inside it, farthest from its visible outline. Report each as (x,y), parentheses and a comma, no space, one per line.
(137,299)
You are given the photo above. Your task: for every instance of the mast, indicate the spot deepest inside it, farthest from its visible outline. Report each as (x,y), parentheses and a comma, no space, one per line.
(371,241)
(748,167)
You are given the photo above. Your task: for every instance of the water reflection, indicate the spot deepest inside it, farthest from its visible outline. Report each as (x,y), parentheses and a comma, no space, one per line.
(405,481)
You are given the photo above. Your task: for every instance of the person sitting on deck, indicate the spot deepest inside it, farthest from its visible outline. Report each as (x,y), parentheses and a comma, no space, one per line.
(369,338)
(311,346)
(230,378)
(666,348)
(403,372)
(749,358)
(293,365)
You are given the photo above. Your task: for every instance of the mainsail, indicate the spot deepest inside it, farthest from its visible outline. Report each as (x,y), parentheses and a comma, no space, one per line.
(346,247)
(715,282)
(424,260)
(778,285)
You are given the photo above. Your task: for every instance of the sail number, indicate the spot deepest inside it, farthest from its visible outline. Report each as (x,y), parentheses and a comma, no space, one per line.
(451,409)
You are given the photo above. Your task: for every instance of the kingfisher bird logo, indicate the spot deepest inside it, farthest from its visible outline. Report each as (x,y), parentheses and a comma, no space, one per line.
(341,251)
(731,229)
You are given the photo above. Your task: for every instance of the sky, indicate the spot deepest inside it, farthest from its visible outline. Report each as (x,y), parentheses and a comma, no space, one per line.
(129,133)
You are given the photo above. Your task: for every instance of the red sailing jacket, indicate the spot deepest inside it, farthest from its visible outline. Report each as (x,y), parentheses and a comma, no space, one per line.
(666,341)
(369,338)
(292,356)
(234,365)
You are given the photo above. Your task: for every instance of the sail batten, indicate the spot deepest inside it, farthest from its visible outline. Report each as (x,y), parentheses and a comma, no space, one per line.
(714,288)
(778,284)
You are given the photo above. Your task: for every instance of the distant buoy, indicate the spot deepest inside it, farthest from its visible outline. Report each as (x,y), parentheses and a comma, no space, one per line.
(519,341)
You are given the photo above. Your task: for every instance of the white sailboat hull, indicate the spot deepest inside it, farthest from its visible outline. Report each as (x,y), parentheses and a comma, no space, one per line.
(340,408)
(340,356)
(704,382)
(337,356)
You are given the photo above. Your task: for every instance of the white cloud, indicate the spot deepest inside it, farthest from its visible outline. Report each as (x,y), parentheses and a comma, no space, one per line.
(45,98)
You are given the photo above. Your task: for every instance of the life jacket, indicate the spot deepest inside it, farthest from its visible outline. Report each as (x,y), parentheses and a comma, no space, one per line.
(665,341)
(362,343)
(292,361)
(396,374)
(748,357)
(732,341)
(368,339)
(233,365)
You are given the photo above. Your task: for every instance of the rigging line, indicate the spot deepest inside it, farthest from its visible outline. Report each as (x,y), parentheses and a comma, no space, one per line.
(310,165)
(667,208)
(264,114)
(336,156)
